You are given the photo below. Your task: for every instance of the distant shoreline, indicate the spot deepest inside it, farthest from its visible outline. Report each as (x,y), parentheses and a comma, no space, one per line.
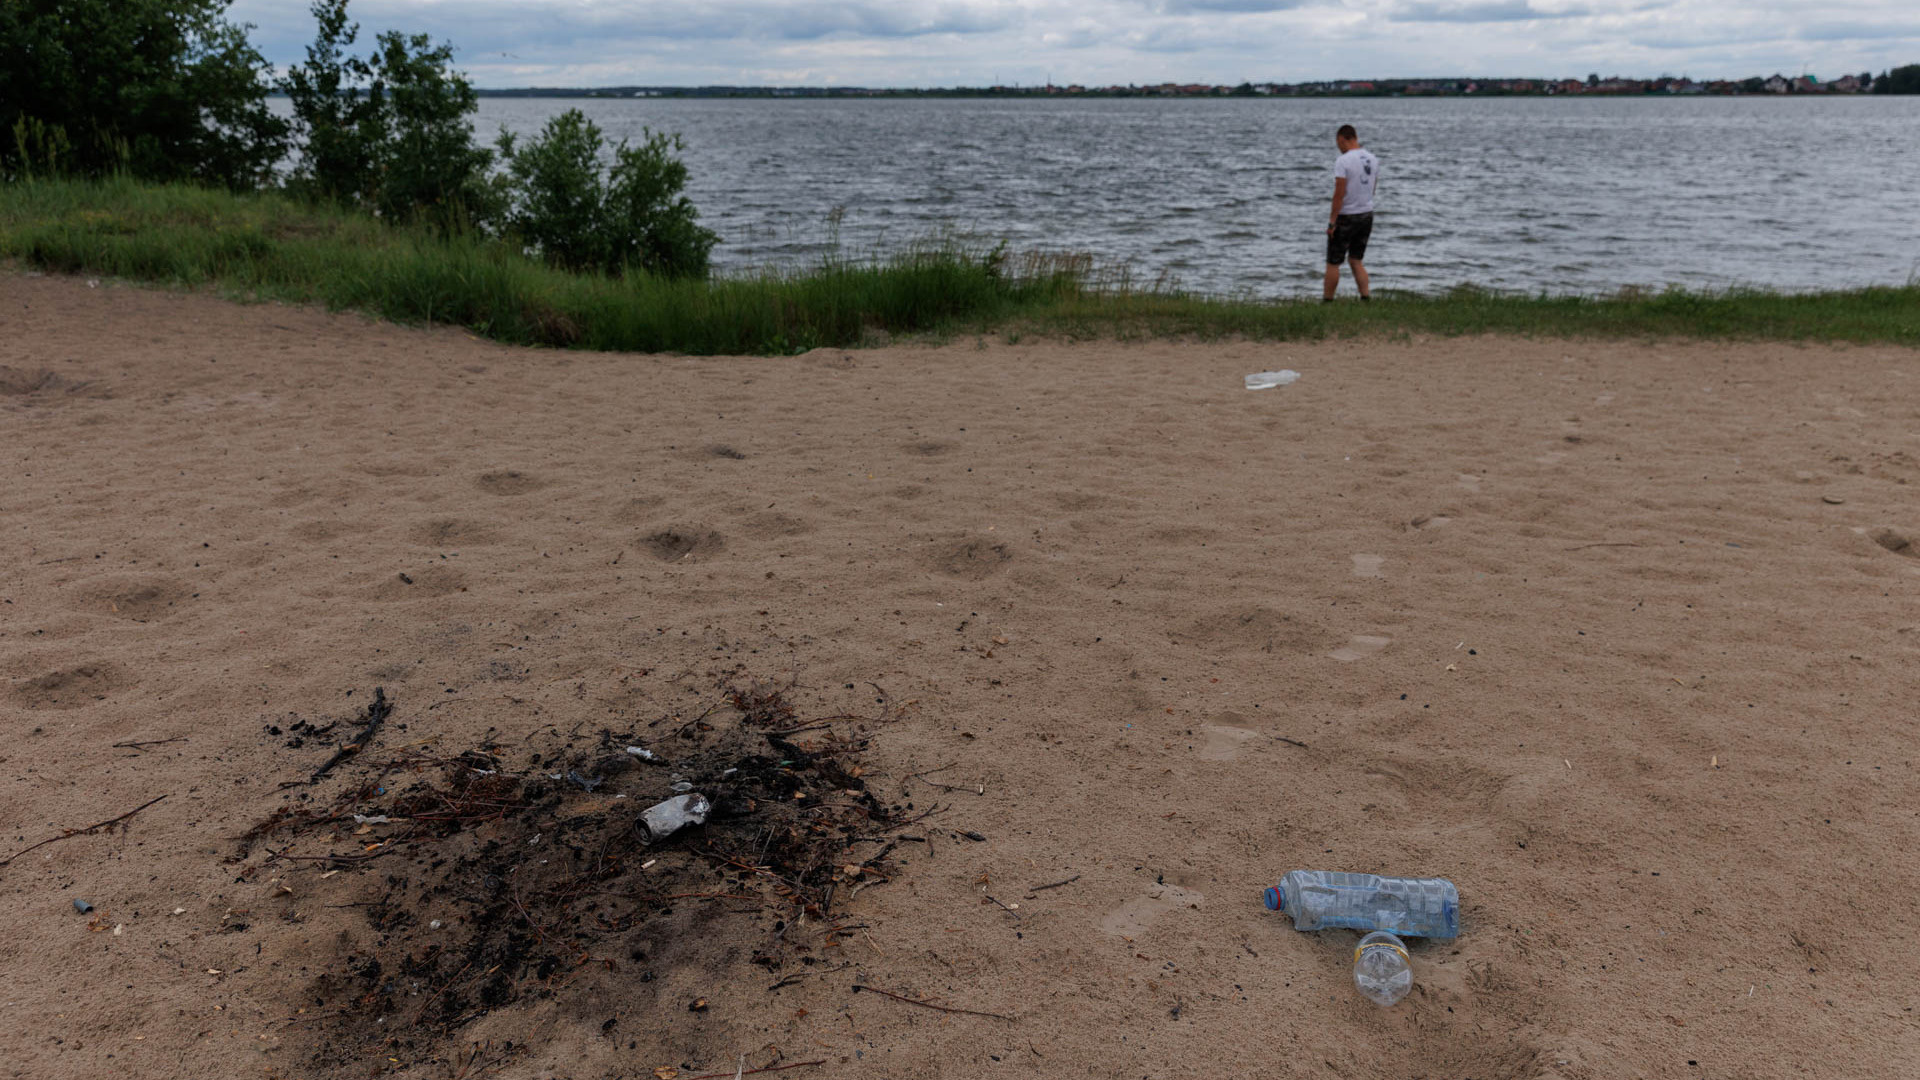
(813,93)
(1776,85)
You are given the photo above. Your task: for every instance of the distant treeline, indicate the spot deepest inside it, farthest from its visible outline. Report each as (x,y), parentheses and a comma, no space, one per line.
(1900,80)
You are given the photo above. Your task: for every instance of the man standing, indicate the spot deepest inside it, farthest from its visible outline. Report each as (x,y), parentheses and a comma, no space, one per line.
(1350,221)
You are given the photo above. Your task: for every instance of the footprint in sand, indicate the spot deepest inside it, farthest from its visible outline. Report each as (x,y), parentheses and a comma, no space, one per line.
(1367,565)
(1134,917)
(1897,542)
(1470,481)
(1359,646)
(1429,521)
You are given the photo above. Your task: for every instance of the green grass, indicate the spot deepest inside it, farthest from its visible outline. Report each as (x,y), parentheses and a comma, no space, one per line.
(271,247)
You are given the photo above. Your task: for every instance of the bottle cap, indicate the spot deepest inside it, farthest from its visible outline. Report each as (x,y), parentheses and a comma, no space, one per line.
(1276,900)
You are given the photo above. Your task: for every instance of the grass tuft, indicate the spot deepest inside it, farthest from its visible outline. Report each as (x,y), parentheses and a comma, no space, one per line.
(267,246)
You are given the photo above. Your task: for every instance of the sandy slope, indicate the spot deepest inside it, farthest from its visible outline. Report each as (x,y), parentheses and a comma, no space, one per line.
(1600,631)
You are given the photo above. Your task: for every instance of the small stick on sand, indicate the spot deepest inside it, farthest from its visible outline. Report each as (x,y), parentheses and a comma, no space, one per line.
(771,1068)
(925,1005)
(82,832)
(1054,884)
(136,745)
(1292,742)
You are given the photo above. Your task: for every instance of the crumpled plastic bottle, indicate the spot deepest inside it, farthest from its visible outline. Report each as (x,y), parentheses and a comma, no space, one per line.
(663,819)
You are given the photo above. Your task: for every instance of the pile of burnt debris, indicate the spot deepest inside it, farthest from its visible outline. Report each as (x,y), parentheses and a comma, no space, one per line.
(506,870)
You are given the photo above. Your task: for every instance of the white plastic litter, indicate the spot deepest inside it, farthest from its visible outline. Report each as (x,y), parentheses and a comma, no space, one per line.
(666,818)
(372,819)
(1267,380)
(643,753)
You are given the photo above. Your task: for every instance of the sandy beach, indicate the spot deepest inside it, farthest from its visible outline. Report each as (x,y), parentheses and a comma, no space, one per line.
(1619,636)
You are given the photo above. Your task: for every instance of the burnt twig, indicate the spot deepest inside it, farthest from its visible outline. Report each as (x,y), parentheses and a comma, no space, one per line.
(377,712)
(1054,884)
(928,1004)
(82,832)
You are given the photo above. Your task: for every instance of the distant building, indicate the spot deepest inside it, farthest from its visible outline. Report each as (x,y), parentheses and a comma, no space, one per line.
(1846,84)
(1777,85)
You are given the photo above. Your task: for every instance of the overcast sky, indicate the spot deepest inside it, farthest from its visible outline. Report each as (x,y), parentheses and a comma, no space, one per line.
(979,42)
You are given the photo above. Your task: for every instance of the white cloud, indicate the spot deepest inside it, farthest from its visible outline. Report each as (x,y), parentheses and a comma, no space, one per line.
(977,42)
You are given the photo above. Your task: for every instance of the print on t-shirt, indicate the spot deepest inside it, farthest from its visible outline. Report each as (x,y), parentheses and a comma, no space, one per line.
(1362,171)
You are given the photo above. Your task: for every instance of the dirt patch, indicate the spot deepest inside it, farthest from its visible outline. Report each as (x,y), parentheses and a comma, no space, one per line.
(72,687)
(454,532)
(137,599)
(32,385)
(680,541)
(1251,628)
(421,584)
(508,482)
(772,524)
(969,558)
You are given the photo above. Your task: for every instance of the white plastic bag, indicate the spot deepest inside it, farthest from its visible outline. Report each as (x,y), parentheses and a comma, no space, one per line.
(1267,380)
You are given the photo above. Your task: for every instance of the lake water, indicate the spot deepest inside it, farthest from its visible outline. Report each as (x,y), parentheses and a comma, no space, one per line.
(1230,196)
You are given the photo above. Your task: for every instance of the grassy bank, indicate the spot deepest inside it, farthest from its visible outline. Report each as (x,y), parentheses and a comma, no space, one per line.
(269,247)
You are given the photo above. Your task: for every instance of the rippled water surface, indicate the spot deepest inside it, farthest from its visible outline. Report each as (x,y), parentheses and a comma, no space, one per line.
(1230,196)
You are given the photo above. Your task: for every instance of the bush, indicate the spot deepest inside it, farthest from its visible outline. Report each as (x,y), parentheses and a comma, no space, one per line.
(165,89)
(633,216)
(654,226)
(389,130)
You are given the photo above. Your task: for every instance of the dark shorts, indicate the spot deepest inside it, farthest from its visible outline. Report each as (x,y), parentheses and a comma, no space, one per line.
(1349,237)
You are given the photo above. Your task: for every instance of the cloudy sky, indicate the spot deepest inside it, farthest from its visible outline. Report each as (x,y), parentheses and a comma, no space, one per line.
(979,42)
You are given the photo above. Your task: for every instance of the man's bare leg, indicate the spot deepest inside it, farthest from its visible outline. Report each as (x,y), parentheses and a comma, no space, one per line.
(1332,283)
(1360,278)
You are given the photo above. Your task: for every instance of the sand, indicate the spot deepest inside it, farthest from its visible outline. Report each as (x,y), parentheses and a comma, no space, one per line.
(1611,634)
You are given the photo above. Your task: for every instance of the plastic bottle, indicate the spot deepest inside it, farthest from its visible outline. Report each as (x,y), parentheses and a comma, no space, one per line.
(1410,907)
(663,819)
(1381,971)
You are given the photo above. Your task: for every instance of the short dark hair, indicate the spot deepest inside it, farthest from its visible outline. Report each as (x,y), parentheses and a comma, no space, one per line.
(1346,132)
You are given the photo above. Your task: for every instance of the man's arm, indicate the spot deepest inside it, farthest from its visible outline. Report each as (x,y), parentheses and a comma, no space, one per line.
(1339,196)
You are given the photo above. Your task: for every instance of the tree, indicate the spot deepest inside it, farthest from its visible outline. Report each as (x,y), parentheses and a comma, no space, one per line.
(1901,80)
(429,165)
(336,117)
(632,216)
(389,130)
(165,89)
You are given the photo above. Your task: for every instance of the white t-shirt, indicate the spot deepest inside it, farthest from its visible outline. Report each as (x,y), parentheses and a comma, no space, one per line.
(1361,170)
